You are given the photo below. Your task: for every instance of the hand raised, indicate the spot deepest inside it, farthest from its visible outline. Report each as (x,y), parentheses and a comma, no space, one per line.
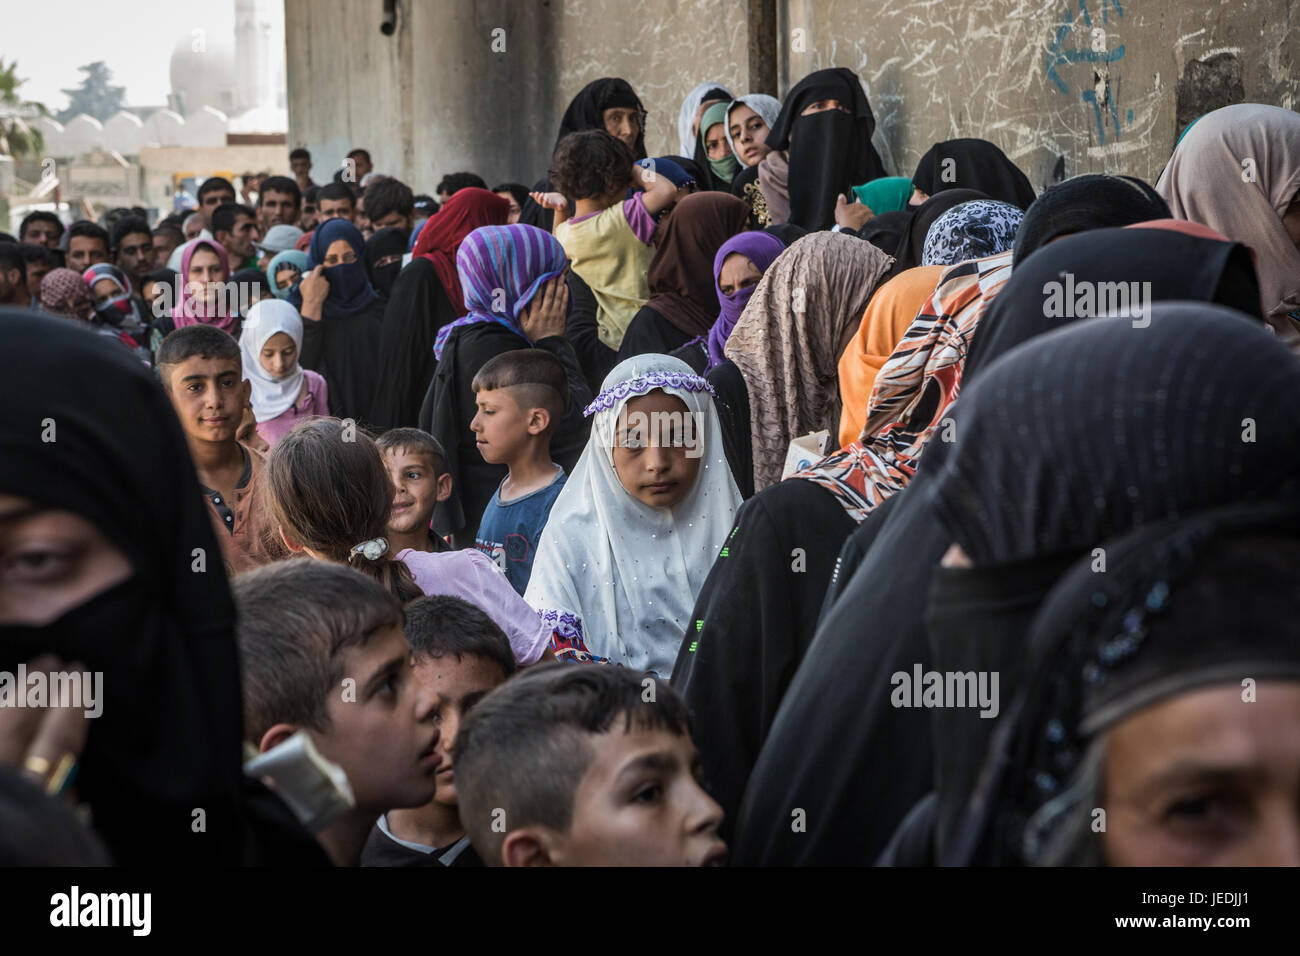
(545,315)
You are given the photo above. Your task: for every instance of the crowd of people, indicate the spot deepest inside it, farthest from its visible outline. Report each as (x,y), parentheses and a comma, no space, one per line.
(745,502)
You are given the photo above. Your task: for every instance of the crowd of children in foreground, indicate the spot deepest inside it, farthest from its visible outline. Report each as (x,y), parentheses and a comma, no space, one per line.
(604,536)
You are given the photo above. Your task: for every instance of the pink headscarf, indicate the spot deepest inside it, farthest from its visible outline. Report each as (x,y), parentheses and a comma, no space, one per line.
(192,311)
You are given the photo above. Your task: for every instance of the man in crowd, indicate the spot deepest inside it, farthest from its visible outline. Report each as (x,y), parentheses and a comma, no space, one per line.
(212,193)
(13,277)
(336,201)
(87,245)
(133,249)
(357,166)
(38,262)
(235,227)
(279,201)
(389,202)
(41,229)
(300,163)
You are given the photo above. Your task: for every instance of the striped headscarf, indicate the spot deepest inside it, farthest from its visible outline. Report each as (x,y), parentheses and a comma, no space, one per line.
(501,268)
(922,376)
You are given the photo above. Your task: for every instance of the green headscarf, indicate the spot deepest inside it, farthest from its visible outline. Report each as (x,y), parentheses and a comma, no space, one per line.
(887,194)
(727,167)
(290,257)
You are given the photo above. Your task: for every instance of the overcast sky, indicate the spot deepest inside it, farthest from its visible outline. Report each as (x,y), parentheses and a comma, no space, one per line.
(135,39)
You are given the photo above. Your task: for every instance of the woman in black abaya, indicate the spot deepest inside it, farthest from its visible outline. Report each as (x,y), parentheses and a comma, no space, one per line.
(384,258)
(856,756)
(117,479)
(824,129)
(1139,669)
(971,164)
(608,103)
(340,334)
(1121,454)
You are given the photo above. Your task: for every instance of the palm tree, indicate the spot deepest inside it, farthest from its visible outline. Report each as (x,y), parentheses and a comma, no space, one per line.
(16,137)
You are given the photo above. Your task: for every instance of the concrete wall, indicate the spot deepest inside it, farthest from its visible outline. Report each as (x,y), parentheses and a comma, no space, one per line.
(491,102)
(1038,77)
(1064,86)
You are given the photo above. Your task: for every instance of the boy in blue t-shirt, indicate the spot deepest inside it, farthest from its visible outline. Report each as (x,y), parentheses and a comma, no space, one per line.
(521,397)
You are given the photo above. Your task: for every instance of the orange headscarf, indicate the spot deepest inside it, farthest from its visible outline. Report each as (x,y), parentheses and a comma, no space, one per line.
(889,313)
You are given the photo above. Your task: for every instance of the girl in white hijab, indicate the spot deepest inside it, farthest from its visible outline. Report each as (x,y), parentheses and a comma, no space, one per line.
(639,523)
(767,108)
(284,393)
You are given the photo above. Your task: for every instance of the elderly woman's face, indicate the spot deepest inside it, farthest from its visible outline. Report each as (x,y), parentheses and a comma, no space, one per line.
(1210,777)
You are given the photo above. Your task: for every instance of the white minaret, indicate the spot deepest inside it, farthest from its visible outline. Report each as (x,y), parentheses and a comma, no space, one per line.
(259,59)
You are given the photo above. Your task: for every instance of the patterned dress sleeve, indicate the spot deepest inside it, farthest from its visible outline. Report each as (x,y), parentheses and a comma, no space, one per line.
(566,637)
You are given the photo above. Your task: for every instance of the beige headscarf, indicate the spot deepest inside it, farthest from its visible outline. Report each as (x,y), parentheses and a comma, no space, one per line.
(773,180)
(1237,170)
(788,340)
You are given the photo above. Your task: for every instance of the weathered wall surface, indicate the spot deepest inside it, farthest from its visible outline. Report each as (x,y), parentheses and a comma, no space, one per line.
(1064,86)
(483,85)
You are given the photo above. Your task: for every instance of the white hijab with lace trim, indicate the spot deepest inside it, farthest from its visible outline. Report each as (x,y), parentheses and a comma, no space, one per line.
(618,578)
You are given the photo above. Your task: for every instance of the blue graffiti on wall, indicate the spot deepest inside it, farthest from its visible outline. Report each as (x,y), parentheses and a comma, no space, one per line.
(1095,52)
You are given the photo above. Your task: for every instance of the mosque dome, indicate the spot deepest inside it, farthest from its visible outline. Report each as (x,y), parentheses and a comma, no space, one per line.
(203,73)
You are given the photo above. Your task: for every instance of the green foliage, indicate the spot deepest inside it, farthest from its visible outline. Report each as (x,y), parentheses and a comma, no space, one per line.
(16,137)
(95,97)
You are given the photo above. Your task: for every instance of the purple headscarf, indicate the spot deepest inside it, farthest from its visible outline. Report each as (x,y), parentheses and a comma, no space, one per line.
(501,269)
(760,248)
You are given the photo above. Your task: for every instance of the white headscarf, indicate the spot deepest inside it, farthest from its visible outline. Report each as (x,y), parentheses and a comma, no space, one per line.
(618,575)
(768,107)
(687,116)
(271,396)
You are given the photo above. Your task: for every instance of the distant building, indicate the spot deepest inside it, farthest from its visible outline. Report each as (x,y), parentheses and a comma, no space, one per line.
(225,115)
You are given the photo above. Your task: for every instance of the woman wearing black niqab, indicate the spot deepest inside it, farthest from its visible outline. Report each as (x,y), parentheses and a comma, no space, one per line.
(342,342)
(168,741)
(830,151)
(383,258)
(972,164)
(837,742)
(1185,607)
(587,111)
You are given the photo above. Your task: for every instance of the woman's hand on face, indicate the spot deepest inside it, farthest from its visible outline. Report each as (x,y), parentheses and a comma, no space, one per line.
(852,215)
(43,742)
(554,201)
(545,315)
(314,288)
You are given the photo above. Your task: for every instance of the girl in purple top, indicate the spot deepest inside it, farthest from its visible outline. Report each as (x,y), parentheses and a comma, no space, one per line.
(284,393)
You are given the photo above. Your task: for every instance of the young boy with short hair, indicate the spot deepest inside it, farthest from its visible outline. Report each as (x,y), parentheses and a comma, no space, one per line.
(202,372)
(608,239)
(521,397)
(460,656)
(321,650)
(584,765)
(417,465)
